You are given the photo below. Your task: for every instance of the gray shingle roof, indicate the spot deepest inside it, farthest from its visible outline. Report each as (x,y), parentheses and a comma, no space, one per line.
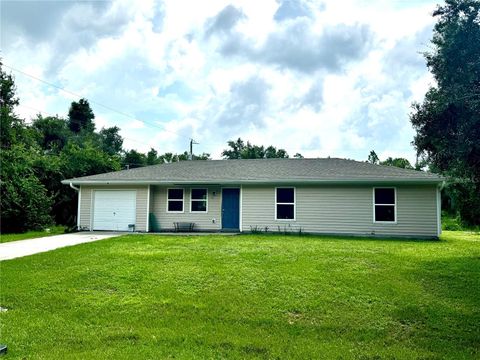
(331,170)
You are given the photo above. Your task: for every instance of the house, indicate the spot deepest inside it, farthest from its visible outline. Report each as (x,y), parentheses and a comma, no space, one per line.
(331,196)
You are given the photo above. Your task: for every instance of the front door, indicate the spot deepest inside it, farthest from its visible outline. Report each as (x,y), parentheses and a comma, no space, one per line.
(231,209)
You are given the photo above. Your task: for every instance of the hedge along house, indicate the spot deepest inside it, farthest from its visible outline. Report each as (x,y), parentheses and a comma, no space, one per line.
(331,196)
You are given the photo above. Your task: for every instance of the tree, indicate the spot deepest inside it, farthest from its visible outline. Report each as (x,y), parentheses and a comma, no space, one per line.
(51,132)
(133,159)
(112,141)
(447,123)
(373,157)
(298,156)
(24,202)
(240,150)
(202,156)
(272,152)
(397,162)
(11,127)
(235,151)
(80,117)
(152,157)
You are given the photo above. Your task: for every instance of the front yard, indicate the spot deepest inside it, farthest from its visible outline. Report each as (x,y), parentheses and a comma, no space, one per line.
(249,296)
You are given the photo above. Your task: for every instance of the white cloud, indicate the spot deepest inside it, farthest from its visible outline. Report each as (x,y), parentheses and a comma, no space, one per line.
(324,78)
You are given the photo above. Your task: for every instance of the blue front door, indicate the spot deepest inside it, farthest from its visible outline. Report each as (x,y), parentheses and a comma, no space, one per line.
(231,209)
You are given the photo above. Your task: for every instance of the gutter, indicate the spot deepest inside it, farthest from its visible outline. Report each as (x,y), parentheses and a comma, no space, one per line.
(256,182)
(78,203)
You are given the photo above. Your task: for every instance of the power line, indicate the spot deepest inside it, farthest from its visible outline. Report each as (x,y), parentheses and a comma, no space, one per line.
(93,101)
(50,114)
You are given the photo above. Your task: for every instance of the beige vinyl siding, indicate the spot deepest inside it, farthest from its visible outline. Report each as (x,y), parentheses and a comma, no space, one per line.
(142,211)
(203,221)
(86,205)
(343,210)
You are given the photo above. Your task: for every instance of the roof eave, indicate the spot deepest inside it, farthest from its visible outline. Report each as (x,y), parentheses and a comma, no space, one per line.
(258,182)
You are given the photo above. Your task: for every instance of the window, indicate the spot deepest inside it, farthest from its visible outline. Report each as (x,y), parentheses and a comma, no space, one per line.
(199,200)
(384,204)
(175,200)
(285,204)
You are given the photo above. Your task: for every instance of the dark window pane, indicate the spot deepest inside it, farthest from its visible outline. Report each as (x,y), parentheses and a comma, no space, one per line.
(285,195)
(285,211)
(175,205)
(384,213)
(199,206)
(384,196)
(200,194)
(175,194)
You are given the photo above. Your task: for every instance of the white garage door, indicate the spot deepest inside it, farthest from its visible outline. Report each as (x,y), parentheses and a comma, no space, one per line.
(114,210)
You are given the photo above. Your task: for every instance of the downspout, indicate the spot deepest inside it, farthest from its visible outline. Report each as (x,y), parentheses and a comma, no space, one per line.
(78,207)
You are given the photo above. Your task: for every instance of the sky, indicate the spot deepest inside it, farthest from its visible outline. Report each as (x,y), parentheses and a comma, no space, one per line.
(320,78)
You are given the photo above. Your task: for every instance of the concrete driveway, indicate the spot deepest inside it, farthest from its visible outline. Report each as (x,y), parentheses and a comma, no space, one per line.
(15,249)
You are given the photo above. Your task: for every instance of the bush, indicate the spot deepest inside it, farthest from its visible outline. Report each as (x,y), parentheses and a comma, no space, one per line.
(25,203)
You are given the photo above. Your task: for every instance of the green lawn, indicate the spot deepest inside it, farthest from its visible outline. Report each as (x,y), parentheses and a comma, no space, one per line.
(53,230)
(251,296)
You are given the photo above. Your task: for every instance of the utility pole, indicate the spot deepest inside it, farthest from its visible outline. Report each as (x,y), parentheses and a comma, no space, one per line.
(192,142)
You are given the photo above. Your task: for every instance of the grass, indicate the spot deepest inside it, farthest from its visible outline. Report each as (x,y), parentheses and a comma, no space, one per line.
(53,230)
(251,296)
(454,223)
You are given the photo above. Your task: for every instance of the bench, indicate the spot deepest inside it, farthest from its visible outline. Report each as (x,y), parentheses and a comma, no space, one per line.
(183,226)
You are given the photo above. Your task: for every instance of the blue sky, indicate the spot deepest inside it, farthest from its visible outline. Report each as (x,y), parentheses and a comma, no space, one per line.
(323,78)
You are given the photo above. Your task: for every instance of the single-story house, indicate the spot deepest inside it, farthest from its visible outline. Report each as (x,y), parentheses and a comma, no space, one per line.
(330,196)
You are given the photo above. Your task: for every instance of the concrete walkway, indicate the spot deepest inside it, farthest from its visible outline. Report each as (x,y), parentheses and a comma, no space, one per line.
(15,249)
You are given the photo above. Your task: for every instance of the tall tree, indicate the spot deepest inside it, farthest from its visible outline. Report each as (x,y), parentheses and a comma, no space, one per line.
(373,157)
(447,123)
(24,201)
(11,127)
(112,141)
(153,158)
(81,116)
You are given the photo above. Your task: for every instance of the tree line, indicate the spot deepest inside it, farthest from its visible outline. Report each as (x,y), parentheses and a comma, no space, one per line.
(397,162)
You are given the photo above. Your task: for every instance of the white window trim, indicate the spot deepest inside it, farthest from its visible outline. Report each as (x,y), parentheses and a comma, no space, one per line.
(394,205)
(192,200)
(294,203)
(183,201)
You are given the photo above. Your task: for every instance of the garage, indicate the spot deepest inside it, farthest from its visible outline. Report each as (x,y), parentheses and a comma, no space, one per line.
(114,209)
